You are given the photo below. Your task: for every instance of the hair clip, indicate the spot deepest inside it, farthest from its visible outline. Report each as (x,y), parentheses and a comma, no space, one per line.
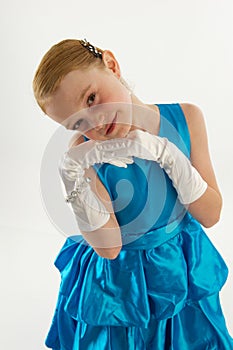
(91,48)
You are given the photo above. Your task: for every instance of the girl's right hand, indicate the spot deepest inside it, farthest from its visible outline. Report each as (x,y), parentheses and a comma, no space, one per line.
(90,152)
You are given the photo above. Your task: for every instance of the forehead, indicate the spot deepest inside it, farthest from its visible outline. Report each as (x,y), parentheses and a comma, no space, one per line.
(64,102)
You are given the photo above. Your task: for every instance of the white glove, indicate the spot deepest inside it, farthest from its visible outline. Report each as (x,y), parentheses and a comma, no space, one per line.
(87,154)
(185,178)
(90,213)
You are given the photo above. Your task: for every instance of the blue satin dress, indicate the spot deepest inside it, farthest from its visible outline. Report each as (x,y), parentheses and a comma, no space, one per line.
(162,291)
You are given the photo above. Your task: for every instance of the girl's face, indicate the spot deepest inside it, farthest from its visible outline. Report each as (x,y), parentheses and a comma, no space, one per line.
(93,102)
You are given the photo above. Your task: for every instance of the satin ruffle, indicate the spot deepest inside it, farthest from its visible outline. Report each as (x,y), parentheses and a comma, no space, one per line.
(101,296)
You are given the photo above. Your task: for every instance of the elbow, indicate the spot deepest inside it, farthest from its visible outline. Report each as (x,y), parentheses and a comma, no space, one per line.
(207,212)
(214,217)
(109,253)
(106,242)
(112,253)
(211,221)
(113,256)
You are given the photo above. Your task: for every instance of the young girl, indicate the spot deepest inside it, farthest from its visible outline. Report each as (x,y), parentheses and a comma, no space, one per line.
(141,185)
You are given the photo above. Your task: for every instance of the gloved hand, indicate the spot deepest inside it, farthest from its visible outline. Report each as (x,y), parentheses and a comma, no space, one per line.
(90,213)
(88,153)
(185,178)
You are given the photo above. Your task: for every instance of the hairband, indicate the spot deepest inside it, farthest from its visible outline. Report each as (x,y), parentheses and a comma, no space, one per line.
(91,48)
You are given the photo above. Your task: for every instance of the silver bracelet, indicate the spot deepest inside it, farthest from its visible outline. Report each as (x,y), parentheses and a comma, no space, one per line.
(79,188)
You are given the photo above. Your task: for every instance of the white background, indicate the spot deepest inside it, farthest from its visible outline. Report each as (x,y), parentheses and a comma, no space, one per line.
(171,51)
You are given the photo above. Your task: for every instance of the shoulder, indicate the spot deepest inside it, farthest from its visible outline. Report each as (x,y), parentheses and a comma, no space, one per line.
(76,140)
(196,125)
(193,115)
(197,128)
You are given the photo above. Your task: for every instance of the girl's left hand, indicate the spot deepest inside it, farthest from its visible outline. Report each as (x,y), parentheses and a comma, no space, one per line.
(138,143)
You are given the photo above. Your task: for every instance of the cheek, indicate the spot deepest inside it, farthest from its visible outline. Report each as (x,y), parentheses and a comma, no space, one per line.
(118,93)
(124,96)
(93,135)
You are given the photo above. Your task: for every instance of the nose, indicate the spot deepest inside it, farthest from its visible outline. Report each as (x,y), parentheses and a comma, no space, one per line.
(99,123)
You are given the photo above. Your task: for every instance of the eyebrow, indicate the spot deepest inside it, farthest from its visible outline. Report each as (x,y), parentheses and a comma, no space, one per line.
(78,100)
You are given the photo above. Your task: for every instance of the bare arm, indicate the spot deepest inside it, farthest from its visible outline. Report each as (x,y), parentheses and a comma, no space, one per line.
(106,241)
(207,208)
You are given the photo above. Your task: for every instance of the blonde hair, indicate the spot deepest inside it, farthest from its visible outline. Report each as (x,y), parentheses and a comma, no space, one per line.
(62,58)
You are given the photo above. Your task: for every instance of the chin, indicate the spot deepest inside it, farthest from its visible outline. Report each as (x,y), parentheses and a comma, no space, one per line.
(123,131)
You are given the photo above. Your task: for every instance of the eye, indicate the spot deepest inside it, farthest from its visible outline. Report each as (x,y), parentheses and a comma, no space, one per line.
(76,125)
(91,99)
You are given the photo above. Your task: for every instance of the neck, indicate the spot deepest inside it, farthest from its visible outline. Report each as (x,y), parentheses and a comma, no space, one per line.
(145,117)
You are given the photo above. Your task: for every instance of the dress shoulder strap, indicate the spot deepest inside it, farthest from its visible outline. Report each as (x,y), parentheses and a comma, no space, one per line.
(173,125)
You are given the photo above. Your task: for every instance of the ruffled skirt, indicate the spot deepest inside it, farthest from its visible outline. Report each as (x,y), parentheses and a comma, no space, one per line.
(164,297)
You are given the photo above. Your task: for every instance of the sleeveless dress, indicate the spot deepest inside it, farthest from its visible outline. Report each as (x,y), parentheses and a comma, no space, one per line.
(162,290)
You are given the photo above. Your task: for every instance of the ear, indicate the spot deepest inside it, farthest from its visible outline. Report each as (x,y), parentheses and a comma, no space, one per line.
(111,63)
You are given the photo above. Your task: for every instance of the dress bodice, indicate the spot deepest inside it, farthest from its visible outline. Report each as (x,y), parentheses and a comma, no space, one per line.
(142,194)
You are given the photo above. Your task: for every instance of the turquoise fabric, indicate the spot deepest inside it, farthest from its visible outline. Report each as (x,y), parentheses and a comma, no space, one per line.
(162,291)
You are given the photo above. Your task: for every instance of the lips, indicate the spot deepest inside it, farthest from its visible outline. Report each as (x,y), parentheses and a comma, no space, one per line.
(112,126)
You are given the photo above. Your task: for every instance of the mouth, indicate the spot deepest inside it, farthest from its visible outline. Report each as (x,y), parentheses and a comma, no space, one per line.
(111,127)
